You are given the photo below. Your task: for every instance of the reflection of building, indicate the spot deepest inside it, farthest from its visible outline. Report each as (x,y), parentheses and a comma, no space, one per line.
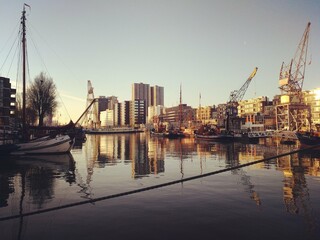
(133,149)
(156,156)
(295,190)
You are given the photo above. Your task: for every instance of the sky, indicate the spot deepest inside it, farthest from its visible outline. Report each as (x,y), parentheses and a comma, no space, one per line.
(209,47)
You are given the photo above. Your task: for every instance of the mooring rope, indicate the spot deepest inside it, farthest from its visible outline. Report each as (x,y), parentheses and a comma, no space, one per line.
(151,187)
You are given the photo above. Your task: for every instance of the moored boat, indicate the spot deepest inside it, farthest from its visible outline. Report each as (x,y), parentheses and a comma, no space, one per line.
(155,133)
(49,144)
(7,148)
(173,134)
(309,139)
(216,137)
(213,133)
(45,145)
(113,130)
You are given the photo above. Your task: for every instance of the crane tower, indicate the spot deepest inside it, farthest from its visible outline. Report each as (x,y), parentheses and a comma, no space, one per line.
(232,104)
(91,118)
(292,113)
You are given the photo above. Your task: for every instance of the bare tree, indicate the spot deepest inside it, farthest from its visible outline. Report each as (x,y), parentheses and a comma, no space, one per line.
(31,114)
(41,96)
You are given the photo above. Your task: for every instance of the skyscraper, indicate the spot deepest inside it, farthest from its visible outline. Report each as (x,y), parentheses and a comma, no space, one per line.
(156,96)
(141,91)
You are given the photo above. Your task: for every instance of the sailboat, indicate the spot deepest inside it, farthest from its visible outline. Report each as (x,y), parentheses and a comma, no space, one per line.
(48,144)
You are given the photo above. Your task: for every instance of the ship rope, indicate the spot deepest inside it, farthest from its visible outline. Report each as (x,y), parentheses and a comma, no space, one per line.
(112,196)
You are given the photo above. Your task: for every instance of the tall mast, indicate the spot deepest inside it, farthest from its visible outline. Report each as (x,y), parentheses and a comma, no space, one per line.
(23,22)
(180,109)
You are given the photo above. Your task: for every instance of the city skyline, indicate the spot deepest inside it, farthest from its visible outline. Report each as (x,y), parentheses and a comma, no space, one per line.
(207,47)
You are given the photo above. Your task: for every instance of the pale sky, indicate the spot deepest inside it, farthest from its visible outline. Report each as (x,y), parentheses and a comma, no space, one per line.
(209,47)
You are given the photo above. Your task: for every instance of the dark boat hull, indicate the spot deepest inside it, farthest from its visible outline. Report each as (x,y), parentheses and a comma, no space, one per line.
(308,140)
(6,149)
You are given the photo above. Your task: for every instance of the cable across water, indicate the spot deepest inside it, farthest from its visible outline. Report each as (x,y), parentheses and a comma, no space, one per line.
(150,187)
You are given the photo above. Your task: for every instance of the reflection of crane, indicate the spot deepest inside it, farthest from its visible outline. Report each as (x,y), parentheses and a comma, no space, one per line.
(296,194)
(235,97)
(291,113)
(233,160)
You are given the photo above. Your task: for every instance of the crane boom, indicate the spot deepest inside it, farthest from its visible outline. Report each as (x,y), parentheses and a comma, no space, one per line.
(292,76)
(237,95)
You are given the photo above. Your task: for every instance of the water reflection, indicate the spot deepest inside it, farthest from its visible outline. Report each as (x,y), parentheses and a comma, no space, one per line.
(29,182)
(108,164)
(36,176)
(296,194)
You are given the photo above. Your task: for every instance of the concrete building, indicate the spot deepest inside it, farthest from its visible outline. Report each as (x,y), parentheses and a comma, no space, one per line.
(312,98)
(252,106)
(125,113)
(102,104)
(221,114)
(137,112)
(154,112)
(204,114)
(107,118)
(156,96)
(141,91)
(7,103)
(183,113)
(153,96)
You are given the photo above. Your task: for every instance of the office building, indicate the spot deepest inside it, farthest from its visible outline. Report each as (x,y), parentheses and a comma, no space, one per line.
(156,96)
(141,91)
(7,106)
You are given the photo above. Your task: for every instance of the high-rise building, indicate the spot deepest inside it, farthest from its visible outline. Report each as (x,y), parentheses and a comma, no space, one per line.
(102,103)
(7,103)
(138,112)
(125,113)
(152,96)
(156,96)
(141,91)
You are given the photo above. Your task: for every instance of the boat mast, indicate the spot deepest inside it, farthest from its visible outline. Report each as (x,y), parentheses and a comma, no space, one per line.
(23,22)
(180,109)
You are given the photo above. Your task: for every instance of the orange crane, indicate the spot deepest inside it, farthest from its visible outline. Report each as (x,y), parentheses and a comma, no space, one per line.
(235,97)
(292,114)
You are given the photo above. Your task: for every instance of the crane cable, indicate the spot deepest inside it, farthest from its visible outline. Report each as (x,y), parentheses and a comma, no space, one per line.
(151,187)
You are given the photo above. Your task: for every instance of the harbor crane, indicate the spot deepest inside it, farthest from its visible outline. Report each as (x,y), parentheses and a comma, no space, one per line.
(89,118)
(235,97)
(292,114)
(292,76)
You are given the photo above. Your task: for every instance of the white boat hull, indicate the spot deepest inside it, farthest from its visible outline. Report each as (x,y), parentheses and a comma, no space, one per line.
(46,145)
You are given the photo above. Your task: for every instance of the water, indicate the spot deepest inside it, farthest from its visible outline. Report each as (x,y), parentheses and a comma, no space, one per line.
(278,199)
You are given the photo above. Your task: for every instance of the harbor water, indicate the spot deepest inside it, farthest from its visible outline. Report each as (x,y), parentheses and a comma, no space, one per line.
(134,186)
